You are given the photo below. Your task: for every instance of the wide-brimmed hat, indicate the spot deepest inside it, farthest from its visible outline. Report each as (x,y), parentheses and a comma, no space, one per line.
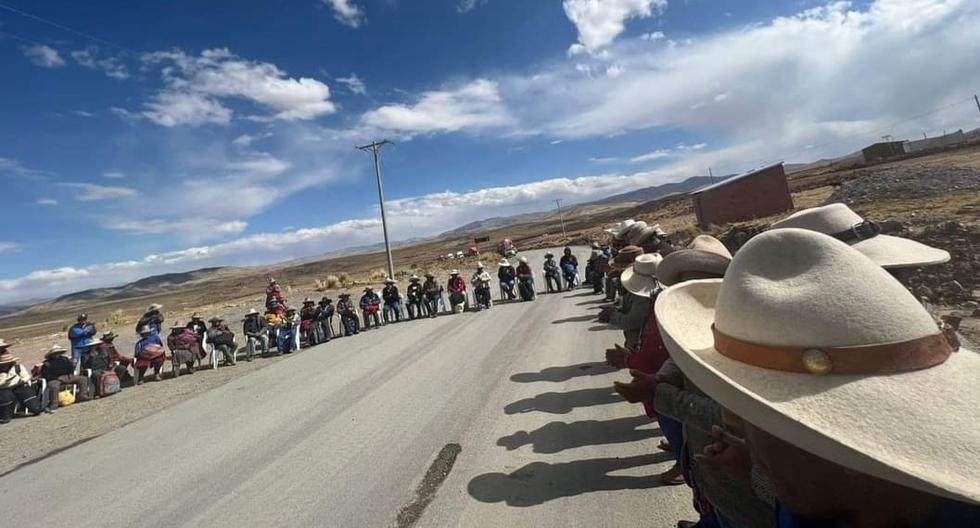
(195,315)
(429,275)
(625,257)
(82,317)
(176,324)
(706,254)
(109,336)
(640,236)
(504,263)
(7,357)
(479,265)
(215,319)
(389,280)
(616,230)
(4,345)
(367,289)
(840,222)
(55,350)
(641,278)
(454,272)
(812,342)
(549,255)
(523,259)
(414,278)
(629,232)
(308,301)
(251,311)
(154,306)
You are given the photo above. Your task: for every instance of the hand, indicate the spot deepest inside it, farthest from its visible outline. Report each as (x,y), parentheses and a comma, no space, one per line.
(616,357)
(727,453)
(642,388)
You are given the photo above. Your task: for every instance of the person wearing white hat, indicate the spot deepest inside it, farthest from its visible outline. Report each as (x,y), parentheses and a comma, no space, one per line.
(481,287)
(552,273)
(393,301)
(840,222)
(152,318)
(416,298)
(525,279)
(854,401)
(457,291)
(59,371)
(256,331)
(433,294)
(370,304)
(507,276)
(15,386)
(640,283)
(616,230)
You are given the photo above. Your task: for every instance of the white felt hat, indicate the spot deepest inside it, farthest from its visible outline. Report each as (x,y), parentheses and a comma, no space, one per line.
(839,221)
(632,234)
(816,308)
(617,229)
(641,278)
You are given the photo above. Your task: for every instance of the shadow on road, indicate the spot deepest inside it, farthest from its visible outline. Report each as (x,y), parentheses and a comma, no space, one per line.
(559,436)
(601,327)
(559,374)
(583,294)
(564,402)
(540,482)
(575,319)
(597,301)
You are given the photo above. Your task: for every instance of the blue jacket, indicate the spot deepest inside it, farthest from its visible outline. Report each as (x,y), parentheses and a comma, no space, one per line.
(80,333)
(369,299)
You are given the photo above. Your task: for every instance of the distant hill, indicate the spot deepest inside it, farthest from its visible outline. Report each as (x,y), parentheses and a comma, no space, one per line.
(147,286)
(649,194)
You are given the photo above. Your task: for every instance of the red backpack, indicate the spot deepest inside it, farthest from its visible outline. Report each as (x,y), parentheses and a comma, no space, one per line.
(108,383)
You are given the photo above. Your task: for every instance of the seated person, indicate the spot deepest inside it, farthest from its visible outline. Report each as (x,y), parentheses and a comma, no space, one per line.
(99,359)
(185,347)
(59,371)
(149,352)
(15,386)
(223,339)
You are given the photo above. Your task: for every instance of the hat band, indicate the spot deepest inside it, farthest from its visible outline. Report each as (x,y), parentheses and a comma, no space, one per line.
(862,230)
(891,358)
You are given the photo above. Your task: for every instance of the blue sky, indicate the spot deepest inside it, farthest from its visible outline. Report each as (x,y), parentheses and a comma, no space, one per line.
(161,137)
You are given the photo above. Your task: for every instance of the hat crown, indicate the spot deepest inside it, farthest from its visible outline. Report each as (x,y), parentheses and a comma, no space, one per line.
(646,264)
(798,288)
(710,244)
(826,219)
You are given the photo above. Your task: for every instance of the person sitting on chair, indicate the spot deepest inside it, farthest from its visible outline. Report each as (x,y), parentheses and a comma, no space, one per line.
(416,298)
(457,291)
(348,315)
(223,339)
(525,279)
(15,386)
(184,346)
(256,331)
(433,293)
(569,267)
(99,358)
(307,318)
(370,306)
(288,339)
(552,273)
(59,371)
(149,352)
(393,301)
(481,287)
(324,317)
(508,277)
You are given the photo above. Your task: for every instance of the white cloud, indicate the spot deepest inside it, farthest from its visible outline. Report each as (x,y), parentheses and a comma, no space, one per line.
(9,247)
(156,226)
(654,36)
(474,106)
(465,6)
(88,192)
(111,66)
(46,201)
(346,12)
(196,86)
(246,140)
(43,56)
(260,164)
(651,156)
(697,146)
(353,83)
(12,166)
(114,174)
(599,22)
(83,113)
(603,160)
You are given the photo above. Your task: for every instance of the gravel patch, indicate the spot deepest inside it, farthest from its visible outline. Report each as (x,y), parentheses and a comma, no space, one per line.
(901,182)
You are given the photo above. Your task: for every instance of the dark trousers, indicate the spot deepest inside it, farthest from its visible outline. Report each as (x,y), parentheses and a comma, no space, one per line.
(371,316)
(554,283)
(83,391)
(432,304)
(157,366)
(22,394)
(598,281)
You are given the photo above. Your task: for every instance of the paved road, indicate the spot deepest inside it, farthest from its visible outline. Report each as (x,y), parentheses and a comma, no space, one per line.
(344,435)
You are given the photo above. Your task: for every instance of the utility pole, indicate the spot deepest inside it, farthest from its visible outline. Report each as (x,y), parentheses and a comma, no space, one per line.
(375,148)
(711,175)
(560,217)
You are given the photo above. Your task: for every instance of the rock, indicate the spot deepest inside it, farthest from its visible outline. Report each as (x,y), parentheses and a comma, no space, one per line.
(891,226)
(924,291)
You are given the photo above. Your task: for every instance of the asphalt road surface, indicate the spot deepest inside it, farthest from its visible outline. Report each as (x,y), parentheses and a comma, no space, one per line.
(512,402)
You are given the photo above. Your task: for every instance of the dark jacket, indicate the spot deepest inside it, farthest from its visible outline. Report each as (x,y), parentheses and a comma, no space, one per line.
(98,358)
(198,326)
(345,307)
(152,319)
(308,313)
(431,287)
(57,367)
(254,326)
(568,259)
(390,294)
(524,271)
(507,274)
(325,311)
(80,332)
(415,292)
(368,299)
(551,267)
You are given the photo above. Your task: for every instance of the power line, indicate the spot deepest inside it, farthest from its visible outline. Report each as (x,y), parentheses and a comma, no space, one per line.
(63,27)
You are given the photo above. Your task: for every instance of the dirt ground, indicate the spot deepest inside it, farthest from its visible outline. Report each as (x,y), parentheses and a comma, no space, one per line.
(933,199)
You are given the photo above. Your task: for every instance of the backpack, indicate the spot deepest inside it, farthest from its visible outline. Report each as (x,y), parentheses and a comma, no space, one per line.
(108,383)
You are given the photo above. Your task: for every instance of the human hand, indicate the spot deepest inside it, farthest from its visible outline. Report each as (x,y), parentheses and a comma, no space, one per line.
(727,453)
(616,357)
(642,388)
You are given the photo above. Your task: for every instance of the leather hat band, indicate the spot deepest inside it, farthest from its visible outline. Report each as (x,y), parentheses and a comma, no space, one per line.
(891,358)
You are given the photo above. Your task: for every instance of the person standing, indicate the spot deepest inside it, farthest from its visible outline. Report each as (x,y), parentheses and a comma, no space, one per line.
(82,332)
(59,371)
(15,386)
(153,319)
(256,331)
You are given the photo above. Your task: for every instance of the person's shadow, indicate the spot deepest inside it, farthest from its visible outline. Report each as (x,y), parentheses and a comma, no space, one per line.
(564,402)
(559,436)
(575,319)
(560,374)
(540,482)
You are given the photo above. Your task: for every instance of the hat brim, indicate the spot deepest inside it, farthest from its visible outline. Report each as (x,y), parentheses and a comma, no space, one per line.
(642,285)
(676,263)
(895,252)
(870,424)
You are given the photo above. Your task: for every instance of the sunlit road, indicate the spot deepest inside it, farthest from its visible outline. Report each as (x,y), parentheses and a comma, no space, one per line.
(344,434)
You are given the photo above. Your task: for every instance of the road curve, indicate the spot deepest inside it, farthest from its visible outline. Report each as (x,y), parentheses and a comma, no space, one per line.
(344,434)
